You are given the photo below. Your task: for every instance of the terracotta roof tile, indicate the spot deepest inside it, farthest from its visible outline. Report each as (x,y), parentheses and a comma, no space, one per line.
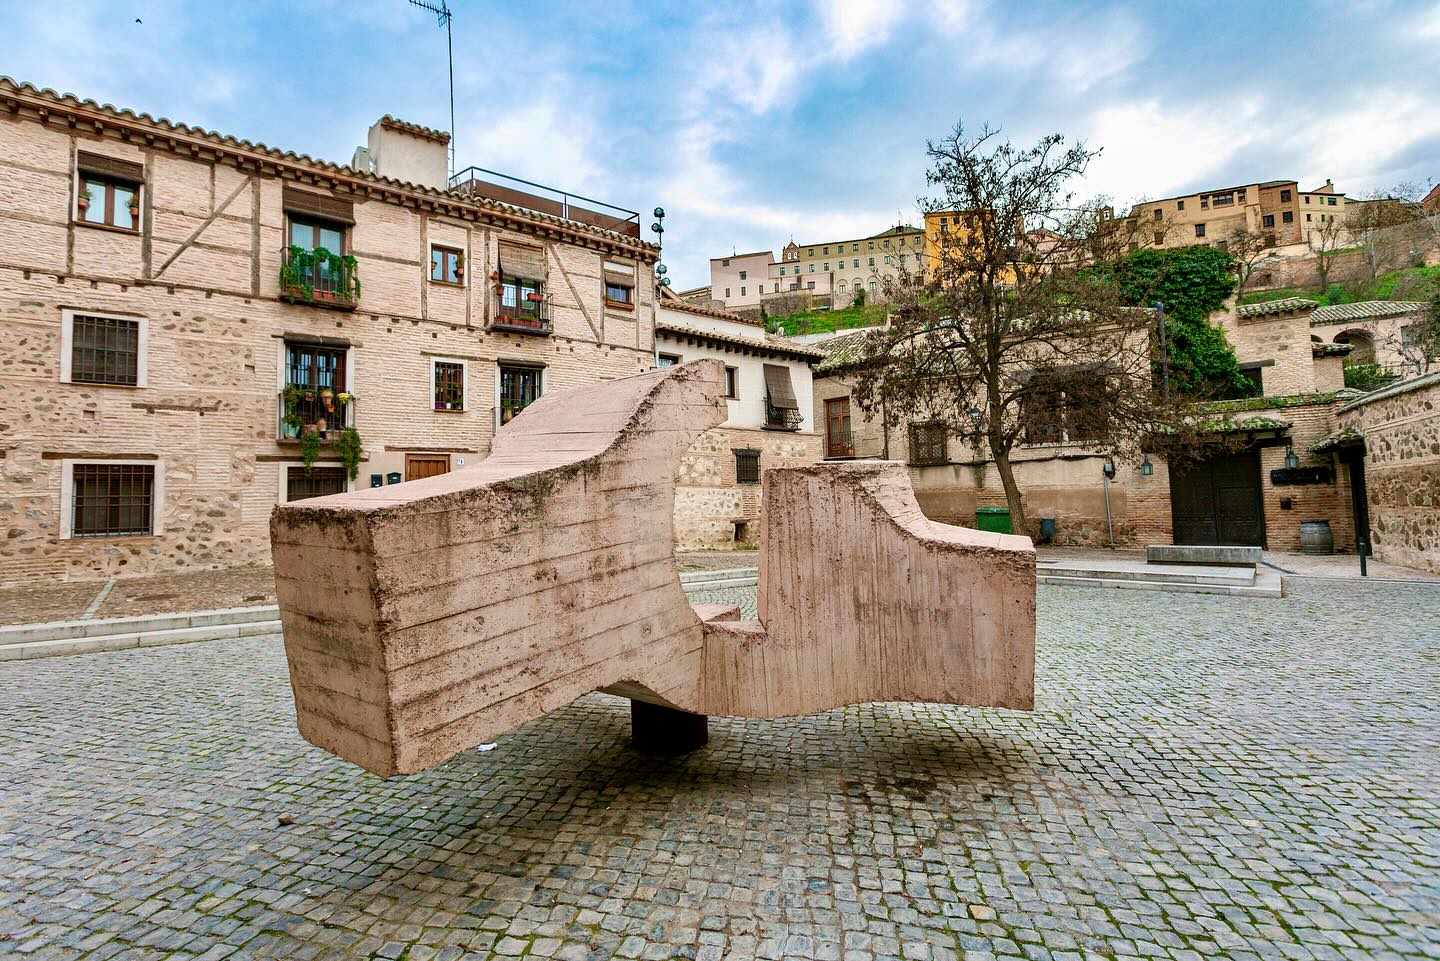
(779,345)
(1365,310)
(1274,307)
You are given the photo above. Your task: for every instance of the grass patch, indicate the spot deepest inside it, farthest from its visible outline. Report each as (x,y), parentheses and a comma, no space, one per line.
(1412,283)
(822,321)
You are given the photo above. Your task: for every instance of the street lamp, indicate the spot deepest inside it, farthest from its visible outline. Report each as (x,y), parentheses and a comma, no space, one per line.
(1291,461)
(1146,468)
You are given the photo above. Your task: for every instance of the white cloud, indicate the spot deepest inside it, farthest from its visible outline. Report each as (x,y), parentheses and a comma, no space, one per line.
(852,26)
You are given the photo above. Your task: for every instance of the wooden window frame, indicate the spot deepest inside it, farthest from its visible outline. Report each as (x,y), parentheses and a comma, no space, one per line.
(464,384)
(845,448)
(675,360)
(109,179)
(447,252)
(500,368)
(67,347)
(283,485)
(629,292)
(67,496)
(732,383)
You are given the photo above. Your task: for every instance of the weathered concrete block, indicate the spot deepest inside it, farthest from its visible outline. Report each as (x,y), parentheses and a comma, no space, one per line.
(1215,556)
(423,618)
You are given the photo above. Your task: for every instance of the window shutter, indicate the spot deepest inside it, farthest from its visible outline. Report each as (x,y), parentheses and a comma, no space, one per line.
(621,274)
(305,204)
(777,384)
(94,163)
(526,263)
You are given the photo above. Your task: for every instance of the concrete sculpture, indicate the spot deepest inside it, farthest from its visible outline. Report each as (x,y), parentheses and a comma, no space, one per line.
(425,618)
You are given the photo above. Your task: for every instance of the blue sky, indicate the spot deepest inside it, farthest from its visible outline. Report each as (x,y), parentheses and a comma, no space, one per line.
(753,122)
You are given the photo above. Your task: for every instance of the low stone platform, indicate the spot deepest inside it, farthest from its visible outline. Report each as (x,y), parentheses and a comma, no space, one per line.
(1209,555)
(1145,576)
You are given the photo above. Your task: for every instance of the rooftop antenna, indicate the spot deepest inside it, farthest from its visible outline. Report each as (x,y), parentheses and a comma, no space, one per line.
(442,19)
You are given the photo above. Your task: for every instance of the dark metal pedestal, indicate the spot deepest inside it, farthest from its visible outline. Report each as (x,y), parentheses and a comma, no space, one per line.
(666,731)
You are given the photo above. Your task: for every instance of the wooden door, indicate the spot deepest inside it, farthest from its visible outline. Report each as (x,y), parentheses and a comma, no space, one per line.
(426,465)
(837,428)
(1217,501)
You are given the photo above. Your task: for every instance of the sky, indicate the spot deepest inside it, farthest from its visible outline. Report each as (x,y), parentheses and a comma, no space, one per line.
(752,123)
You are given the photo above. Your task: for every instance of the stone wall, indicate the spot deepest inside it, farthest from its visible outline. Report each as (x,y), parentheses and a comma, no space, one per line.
(1401,429)
(708,499)
(202,273)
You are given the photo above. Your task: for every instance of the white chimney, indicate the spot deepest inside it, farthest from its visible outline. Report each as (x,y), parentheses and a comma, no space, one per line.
(407,151)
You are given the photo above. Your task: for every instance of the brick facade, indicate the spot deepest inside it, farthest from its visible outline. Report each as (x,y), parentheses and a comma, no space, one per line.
(201,272)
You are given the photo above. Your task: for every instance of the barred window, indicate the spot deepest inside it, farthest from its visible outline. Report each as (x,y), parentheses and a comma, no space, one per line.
(301,484)
(747,466)
(112,500)
(927,444)
(449,385)
(104,350)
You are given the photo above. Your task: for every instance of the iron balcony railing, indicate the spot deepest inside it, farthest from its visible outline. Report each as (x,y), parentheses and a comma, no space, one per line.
(523,315)
(319,277)
(781,418)
(301,408)
(493,185)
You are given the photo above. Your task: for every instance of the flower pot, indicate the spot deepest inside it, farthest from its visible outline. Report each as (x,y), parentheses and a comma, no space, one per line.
(290,431)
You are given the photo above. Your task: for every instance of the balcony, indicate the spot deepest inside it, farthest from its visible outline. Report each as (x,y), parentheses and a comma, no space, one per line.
(320,278)
(299,409)
(479,183)
(781,418)
(525,314)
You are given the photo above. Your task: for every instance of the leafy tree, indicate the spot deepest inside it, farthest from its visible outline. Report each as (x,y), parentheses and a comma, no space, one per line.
(1190,284)
(1012,336)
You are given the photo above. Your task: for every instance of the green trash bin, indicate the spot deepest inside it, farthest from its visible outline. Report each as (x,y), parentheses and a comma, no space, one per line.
(996,519)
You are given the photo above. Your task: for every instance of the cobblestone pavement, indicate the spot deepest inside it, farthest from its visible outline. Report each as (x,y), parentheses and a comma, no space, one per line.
(1203,777)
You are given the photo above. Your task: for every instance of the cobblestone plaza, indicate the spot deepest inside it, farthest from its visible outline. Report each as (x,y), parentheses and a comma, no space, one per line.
(1202,777)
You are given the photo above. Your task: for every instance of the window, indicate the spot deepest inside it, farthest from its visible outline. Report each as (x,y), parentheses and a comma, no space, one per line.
(519,387)
(810,252)
(747,466)
(742,293)
(1222,200)
(1307,198)
(885,243)
(110,498)
(1330,201)
(742,274)
(1159,238)
(1284,196)
(1307,218)
(809,285)
(725,262)
(107,191)
(1071,409)
(870,246)
(1158,213)
(1252,383)
(328,277)
(732,382)
(1268,220)
(619,295)
(838,440)
(99,349)
(667,360)
(1199,230)
(856,262)
(447,266)
(812,268)
(854,248)
(315,376)
(727,291)
(1179,205)
(302,484)
(1287,217)
(447,384)
(826,266)
(887,258)
(872,261)
(927,444)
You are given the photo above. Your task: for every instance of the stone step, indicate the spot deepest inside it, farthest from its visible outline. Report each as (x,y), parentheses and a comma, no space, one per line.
(111,626)
(1151,573)
(95,643)
(1214,556)
(1266,585)
(715,580)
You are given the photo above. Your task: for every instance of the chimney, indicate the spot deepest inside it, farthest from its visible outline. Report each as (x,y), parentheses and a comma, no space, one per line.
(406,151)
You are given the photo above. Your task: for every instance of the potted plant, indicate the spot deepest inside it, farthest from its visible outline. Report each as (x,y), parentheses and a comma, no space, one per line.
(320,425)
(327,397)
(535,296)
(134,208)
(309,447)
(82,200)
(292,425)
(344,397)
(460,268)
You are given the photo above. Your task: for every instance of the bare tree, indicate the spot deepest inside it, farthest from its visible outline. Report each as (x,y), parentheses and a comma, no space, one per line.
(1325,241)
(1418,343)
(1251,249)
(1378,223)
(1013,335)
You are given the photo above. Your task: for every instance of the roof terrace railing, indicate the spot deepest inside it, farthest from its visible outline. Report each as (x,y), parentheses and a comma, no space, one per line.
(493,185)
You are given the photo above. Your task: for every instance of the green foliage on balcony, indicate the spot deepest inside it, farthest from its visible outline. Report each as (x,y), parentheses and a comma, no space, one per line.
(320,275)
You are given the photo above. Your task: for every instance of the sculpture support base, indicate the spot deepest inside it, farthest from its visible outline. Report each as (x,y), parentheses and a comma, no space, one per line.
(666,731)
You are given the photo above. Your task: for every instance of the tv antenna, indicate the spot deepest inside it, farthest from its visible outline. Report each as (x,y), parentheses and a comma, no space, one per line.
(442,19)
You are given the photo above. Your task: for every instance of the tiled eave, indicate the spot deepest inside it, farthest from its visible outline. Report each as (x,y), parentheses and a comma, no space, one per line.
(743,345)
(27,102)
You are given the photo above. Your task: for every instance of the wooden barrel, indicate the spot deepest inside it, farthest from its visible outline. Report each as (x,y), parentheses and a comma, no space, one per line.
(1315,538)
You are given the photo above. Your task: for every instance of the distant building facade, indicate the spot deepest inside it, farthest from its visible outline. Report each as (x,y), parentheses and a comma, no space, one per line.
(1276,208)
(768,390)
